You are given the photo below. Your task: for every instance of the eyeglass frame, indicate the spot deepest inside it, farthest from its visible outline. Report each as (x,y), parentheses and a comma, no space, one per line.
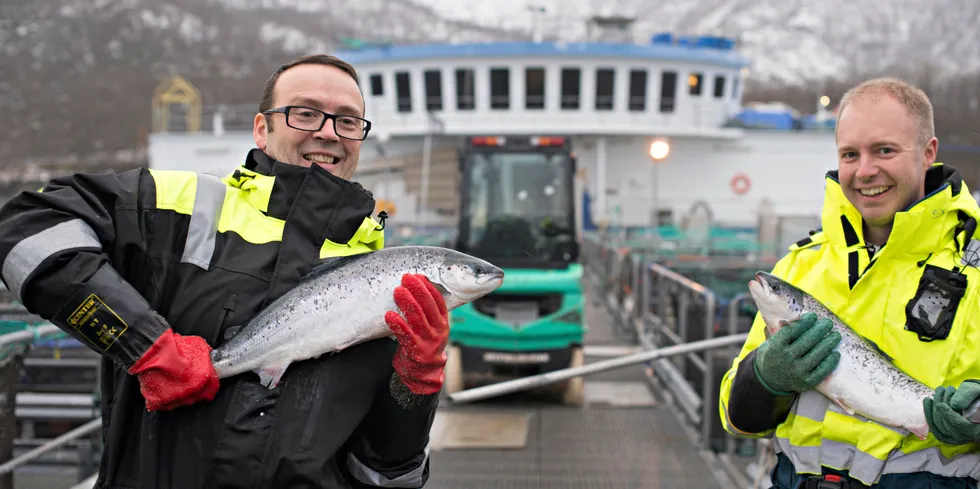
(284,110)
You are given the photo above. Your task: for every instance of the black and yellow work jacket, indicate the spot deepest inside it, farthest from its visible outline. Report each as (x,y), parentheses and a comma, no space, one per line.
(207,254)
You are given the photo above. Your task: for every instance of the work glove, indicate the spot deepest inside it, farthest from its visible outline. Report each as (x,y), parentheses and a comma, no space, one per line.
(422,334)
(799,356)
(176,371)
(943,413)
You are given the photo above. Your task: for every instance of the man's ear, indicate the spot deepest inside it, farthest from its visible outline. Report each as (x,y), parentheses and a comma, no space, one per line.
(260,131)
(930,152)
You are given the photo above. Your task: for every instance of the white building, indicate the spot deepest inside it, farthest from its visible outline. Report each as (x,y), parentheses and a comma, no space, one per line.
(611,99)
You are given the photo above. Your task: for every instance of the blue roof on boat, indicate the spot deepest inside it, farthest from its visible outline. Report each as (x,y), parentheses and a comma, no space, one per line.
(691,52)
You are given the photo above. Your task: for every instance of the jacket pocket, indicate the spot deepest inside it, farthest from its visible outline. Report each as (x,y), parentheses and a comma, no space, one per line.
(226,327)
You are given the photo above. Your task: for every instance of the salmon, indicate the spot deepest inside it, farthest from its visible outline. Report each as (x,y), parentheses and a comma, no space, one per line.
(342,302)
(866,382)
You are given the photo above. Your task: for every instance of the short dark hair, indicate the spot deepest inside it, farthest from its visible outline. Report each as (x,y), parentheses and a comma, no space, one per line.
(318,59)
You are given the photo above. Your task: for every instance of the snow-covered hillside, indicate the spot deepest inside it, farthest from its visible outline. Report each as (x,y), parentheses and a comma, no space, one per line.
(78,75)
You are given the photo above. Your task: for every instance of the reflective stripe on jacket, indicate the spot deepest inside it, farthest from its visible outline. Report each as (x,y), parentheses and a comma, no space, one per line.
(207,254)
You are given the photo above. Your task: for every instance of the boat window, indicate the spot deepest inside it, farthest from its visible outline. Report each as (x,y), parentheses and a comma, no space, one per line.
(638,90)
(605,82)
(571,85)
(534,88)
(403,92)
(465,89)
(433,89)
(668,91)
(499,88)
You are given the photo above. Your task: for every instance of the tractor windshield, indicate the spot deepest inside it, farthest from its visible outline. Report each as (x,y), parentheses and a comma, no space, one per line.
(518,207)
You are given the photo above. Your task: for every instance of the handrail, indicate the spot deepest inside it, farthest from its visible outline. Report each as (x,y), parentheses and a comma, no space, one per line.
(30,333)
(81,431)
(664,301)
(530,382)
(676,277)
(706,366)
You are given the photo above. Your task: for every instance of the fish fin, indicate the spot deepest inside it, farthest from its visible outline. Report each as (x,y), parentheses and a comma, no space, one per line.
(843,405)
(269,376)
(786,322)
(879,350)
(972,412)
(325,265)
(444,292)
(231,331)
(921,431)
(769,330)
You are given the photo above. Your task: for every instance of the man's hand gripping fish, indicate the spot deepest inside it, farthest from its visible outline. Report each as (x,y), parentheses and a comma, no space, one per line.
(342,303)
(865,381)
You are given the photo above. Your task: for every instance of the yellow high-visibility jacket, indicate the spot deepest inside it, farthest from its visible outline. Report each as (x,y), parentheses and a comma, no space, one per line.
(872,293)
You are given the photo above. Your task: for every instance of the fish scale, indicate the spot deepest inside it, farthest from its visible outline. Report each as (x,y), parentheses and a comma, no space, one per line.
(865,381)
(342,302)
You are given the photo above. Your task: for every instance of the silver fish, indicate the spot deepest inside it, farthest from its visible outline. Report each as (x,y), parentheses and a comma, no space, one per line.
(865,382)
(342,302)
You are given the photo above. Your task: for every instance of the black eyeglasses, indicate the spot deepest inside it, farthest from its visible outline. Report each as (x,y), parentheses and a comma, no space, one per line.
(312,120)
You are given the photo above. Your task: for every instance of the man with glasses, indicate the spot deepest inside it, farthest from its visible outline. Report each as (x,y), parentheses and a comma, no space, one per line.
(153,269)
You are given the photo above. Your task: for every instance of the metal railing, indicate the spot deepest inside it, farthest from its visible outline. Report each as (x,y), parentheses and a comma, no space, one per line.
(26,409)
(29,334)
(660,306)
(84,430)
(658,333)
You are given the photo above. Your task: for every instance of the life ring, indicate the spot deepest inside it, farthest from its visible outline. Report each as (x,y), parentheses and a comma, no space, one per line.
(741,184)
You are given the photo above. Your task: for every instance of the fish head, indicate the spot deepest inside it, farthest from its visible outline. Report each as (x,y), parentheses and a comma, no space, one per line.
(462,278)
(779,302)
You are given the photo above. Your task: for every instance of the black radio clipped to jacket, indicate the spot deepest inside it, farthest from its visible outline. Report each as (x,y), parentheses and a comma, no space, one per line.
(931,311)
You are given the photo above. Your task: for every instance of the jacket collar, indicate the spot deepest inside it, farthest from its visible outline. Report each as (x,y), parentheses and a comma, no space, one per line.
(924,227)
(275,188)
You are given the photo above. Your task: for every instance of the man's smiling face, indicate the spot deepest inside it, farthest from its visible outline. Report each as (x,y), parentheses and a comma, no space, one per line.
(322,87)
(881,161)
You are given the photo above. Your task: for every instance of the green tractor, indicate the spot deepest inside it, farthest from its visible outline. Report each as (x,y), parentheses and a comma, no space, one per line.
(517,211)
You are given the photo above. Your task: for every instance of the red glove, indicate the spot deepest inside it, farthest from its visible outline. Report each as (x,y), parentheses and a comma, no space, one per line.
(420,358)
(176,371)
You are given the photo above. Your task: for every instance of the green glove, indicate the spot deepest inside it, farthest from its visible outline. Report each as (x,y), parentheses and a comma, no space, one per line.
(943,413)
(799,356)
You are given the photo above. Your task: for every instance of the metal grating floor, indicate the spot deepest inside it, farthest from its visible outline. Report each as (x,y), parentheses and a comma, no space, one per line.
(597,446)
(601,448)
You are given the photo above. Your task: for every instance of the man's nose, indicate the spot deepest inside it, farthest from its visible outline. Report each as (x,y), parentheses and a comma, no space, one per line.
(866,168)
(327,132)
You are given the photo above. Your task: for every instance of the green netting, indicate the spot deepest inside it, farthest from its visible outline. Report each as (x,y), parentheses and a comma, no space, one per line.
(409,235)
(419,240)
(10,326)
(724,264)
(673,241)
(725,280)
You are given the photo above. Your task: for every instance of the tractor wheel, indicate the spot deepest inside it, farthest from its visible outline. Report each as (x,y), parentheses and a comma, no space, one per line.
(454,370)
(574,392)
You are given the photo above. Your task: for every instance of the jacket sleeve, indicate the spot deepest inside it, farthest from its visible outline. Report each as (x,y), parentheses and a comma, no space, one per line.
(57,247)
(746,407)
(391,446)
